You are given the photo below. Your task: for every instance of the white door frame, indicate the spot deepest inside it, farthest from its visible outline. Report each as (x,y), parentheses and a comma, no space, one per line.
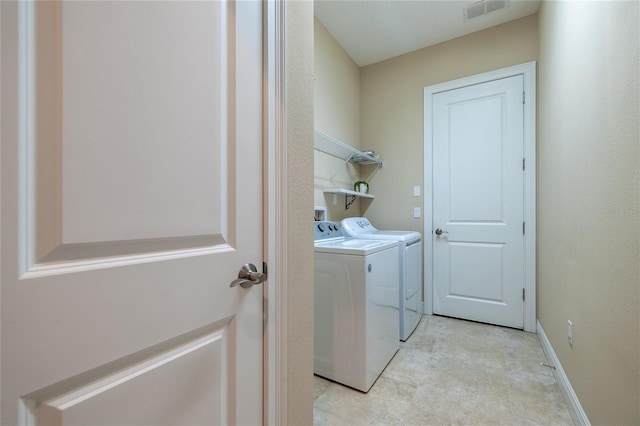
(275,209)
(528,71)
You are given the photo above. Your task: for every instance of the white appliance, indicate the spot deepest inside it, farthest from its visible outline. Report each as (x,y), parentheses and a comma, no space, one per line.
(356,316)
(410,274)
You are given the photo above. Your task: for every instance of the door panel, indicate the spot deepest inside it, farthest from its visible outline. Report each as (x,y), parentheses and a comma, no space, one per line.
(124,144)
(476,271)
(131,135)
(478,264)
(475,172)
(178,384)
(125,125)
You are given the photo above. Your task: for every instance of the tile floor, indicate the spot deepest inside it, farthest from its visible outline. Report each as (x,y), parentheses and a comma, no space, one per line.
(452,372)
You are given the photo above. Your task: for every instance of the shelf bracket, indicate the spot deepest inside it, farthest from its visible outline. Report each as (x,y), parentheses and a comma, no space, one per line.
(346,161)
(348,203)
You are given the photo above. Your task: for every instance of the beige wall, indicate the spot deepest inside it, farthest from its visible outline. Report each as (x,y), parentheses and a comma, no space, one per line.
(299,111)
(336,89)
(588,211)
(337,114)
(392,108)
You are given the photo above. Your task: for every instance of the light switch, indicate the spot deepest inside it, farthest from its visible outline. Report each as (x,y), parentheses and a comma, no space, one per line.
(416,191)
(416,212)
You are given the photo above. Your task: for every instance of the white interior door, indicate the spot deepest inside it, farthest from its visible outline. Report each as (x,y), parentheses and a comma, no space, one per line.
(478,258)
(131,196)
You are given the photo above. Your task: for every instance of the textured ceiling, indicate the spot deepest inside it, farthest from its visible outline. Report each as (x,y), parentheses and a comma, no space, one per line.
(374,30)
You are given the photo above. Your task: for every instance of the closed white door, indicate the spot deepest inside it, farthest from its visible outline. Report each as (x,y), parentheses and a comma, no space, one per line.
(131,197)
(478,241)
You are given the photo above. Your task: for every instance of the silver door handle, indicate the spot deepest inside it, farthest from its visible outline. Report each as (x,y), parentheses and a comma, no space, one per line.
(440,231)
(248,276)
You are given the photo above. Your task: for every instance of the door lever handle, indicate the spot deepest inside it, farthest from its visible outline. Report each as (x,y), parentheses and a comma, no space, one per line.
(248,276)
(440,231)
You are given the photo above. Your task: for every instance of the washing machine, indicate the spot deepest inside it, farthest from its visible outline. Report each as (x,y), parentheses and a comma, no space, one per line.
(356,316)
(410,272)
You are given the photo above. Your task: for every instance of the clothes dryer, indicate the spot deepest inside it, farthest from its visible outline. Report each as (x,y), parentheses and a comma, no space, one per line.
(410,272)
(356,318)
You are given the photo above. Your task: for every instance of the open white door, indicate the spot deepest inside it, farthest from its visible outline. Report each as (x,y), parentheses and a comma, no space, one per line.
(131,197)
(478,202)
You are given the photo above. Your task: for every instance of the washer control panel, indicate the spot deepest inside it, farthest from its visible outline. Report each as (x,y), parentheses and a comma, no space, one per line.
(355,226)
(364,224)
(325,229)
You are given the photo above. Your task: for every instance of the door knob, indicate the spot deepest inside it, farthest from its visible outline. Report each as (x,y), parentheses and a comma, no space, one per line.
(440,231)
(249,276)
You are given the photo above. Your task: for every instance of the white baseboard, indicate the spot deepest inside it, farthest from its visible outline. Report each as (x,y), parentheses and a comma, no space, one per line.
(578,415)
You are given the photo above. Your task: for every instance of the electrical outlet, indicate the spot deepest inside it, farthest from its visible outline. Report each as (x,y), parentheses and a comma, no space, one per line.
(570,332)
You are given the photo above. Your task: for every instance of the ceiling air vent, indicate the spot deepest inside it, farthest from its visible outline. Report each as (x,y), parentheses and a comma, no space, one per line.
(483,7)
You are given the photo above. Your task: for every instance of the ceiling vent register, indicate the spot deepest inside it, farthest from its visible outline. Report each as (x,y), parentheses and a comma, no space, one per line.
(483,7)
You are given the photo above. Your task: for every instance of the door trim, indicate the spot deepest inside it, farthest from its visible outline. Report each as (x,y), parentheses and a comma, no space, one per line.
(528,71)
(275,213)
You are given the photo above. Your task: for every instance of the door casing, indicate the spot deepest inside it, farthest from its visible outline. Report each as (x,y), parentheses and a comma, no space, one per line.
(528,71)
(275,167)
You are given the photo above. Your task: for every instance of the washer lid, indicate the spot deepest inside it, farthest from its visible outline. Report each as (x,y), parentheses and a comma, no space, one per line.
(360,227)
(402,236)
(353,246)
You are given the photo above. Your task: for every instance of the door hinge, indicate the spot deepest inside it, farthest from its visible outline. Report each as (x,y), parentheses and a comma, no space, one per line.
(523,293)
(523,96)
(523,228)
(523,164)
